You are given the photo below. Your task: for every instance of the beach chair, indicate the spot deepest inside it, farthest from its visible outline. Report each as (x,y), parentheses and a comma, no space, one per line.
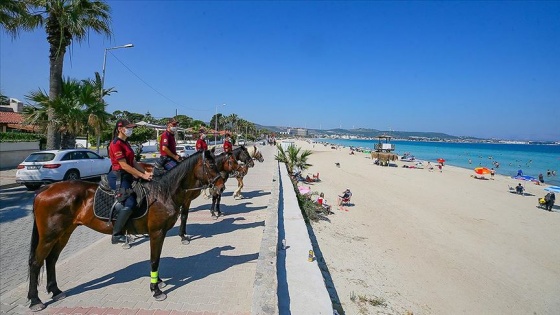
(346,201)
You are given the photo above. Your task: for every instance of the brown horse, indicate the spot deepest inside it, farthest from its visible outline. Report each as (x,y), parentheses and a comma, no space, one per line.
(61,207)
(243,169)
(239,154)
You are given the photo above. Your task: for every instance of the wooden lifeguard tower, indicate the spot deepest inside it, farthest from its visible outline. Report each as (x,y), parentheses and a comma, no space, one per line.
(383,144)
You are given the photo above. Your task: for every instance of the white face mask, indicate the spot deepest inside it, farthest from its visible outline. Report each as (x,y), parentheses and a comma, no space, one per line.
(173,129)
(128,132)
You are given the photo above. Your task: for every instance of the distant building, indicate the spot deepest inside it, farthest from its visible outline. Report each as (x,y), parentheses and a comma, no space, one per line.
(15,105)
(301,132)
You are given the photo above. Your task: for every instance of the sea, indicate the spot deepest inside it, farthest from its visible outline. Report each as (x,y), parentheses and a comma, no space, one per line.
(532,159)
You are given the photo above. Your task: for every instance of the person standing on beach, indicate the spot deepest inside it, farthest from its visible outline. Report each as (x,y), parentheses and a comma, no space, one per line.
(541,178)
(549,199)
(492,173)
(440,166)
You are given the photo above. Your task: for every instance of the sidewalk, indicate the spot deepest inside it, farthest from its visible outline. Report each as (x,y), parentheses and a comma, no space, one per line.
(8,178)
(214,274)
(232,265)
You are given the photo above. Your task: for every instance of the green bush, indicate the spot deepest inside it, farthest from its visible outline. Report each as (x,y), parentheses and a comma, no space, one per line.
(23,137)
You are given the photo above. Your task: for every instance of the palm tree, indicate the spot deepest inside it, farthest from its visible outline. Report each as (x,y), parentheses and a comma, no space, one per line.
(65,21)
(293,158)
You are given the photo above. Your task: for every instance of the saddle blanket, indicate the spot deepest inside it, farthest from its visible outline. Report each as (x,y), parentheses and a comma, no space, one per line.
(103,202)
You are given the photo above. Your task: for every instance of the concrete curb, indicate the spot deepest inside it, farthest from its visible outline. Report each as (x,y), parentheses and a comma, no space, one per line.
(265,297)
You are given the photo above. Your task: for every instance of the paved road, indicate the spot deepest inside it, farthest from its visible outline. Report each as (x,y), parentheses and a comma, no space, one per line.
(16,219)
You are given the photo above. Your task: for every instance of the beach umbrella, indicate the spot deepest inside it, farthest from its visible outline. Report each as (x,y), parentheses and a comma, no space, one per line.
(482,170)
(440,160)
(554,189)
(303,190)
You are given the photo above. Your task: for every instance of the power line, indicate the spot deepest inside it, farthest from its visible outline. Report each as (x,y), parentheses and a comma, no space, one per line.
(154,89)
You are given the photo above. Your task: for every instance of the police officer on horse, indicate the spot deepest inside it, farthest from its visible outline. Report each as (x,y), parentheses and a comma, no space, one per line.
(124,171)
(168,146)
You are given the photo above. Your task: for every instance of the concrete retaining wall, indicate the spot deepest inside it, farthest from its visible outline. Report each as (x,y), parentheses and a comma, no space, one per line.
(13,153)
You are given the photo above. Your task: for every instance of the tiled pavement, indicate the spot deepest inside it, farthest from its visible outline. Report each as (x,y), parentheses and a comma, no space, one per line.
(214,274)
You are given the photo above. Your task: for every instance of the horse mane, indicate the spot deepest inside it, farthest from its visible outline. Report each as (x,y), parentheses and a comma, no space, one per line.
(172,178)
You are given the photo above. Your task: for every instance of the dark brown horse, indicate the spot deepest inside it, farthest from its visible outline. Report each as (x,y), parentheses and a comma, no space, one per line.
(240,154)
(61,207)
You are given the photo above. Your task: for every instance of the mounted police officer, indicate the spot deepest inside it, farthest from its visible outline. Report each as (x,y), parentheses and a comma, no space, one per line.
(201,144)
(124,171)
(168,146)
(228,147)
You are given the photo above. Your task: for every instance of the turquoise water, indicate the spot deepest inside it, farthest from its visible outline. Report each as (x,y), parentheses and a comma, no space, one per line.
(532,159)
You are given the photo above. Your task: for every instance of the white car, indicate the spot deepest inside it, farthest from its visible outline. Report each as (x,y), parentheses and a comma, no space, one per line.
(185,150)
(46,167)
(241,141)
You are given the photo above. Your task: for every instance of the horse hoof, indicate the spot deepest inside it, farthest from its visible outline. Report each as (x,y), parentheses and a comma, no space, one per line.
(160,297)
(59,297)
(126,246)
(186,241)
(162,285)
(37,307)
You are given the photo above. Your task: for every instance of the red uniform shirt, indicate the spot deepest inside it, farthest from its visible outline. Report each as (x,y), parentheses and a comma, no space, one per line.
(227,146)
(168,140)
(118,150)
(201,145)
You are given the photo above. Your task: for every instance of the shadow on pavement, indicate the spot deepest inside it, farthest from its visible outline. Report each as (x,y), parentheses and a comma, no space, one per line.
(176,272)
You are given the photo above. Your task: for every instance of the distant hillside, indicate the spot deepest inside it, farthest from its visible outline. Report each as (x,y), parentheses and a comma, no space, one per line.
(371,133)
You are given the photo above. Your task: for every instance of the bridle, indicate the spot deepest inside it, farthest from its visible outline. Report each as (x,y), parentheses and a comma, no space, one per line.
(205,172)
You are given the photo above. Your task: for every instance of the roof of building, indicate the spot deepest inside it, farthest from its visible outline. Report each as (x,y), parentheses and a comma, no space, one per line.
(10,118)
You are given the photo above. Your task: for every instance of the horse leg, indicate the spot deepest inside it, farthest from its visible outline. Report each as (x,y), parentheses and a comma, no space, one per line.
(37,253)
(218,201)
(214,199)
(237,192)
(156,245)
(52,258)
(185,239)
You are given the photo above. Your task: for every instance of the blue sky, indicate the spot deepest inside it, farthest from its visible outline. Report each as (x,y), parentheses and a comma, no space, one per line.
(485,69)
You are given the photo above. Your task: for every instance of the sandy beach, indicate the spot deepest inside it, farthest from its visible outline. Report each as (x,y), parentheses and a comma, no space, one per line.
(435,243)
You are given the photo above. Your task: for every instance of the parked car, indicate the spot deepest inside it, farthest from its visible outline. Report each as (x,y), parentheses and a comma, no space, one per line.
(185,150)
(45,167)
(241,141)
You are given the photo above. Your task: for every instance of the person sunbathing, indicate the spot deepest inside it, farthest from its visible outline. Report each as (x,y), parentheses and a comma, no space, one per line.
(345,197)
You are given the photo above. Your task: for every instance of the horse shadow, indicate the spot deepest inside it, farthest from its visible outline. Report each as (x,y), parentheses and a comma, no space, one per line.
(204,230)
(202,266)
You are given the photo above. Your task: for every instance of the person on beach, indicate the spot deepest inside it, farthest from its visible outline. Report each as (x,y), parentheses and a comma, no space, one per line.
(492,173)
(201,144)
(549,199)
(440,166)
(323,202)
(168,146)
(345,195)
(541,178)
(519,189)
(430,167)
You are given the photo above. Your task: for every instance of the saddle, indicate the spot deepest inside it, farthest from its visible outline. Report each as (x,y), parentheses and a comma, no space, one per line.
(105,200)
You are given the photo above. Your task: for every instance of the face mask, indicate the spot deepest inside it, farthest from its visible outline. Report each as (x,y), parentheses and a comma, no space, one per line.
(173,129)
(128,132)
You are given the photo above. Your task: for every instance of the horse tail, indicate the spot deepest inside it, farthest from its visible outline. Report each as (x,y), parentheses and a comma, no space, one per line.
(34,241)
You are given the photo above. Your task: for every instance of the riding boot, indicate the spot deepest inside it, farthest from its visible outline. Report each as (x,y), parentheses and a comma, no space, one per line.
(118,236)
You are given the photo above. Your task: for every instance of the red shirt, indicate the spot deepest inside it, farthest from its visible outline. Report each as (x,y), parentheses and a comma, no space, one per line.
(201,145)
(167,140)
(118,150)
(227,146)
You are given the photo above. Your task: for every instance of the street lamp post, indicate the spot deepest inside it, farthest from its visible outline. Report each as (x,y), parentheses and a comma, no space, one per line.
(103,78)
(216,124)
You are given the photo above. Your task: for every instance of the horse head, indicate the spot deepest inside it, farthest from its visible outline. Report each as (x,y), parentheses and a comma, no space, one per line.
(257,155)
(242,154)
(207,172)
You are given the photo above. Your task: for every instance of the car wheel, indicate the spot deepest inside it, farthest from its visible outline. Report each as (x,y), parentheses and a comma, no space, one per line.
(32,187)
(72,174)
